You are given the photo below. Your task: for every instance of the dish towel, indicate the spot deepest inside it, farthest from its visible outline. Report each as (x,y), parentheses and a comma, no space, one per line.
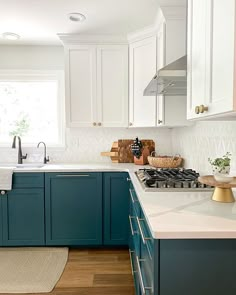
(6,178)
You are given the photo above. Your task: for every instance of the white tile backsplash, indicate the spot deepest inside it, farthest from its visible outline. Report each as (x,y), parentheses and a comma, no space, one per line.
(195,144)
(203,140)
(84,145)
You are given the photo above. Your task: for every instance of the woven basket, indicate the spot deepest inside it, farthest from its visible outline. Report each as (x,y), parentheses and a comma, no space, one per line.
(164,161)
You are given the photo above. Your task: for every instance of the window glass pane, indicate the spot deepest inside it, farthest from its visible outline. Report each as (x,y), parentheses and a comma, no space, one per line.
(29,109)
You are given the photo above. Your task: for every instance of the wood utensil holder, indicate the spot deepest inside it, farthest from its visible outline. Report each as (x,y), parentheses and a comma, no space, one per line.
(121,151)
(143,160)
(223,191)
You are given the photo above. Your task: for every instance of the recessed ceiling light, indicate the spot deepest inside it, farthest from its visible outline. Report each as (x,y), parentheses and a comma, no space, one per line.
(10,36)
(76,17)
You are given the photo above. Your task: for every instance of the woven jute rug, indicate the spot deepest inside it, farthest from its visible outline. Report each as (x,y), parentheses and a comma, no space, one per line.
(31,270)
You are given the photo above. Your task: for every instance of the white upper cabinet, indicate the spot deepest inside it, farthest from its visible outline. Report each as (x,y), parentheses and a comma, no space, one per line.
(150,50)
(143,62)
(112,85)
(96,85)
(211,59)
(81,86)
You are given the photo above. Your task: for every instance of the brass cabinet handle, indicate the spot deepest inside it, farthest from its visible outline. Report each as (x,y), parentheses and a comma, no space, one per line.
(203,108)
(94,124)
(99,124)
(159,121)
(197,110)
(200,109)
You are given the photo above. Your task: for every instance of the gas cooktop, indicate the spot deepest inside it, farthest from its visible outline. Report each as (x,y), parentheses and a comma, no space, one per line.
(170,179)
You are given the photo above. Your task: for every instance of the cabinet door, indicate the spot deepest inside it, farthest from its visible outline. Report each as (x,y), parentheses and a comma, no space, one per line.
(161,50)
(143,62)
(116,209)
(112,85)
(211,50)
(73,208)
(198,40)
(221,57)
(197,266)
(80,85)
(23,217)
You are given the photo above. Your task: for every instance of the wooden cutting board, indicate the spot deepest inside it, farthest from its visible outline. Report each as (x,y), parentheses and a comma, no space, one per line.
(121,153)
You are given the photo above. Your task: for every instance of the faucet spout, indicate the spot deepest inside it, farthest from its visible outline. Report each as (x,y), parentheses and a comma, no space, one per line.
(45,158)
(20,155)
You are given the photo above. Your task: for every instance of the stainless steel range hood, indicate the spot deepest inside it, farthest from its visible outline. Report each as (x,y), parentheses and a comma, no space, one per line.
(170,80)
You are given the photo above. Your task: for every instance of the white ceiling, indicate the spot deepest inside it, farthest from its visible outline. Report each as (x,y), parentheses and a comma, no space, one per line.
(39,21)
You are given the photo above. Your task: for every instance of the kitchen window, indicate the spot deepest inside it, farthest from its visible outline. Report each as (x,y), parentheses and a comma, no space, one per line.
(32,106)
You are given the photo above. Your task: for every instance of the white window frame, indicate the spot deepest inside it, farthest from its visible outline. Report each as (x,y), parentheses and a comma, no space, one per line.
(40,75)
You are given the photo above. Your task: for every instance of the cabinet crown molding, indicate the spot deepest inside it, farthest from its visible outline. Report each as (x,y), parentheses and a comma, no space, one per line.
(142,34)
(174,12)
(68,39)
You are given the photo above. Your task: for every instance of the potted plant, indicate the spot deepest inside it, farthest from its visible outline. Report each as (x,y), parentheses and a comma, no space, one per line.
(221,165)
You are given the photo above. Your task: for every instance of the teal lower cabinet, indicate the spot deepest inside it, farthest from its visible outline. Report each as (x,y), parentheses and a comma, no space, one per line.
(73,208)
(116,208)
(22,211)
(134,238)
(197,267)
(179,266)
(23,217)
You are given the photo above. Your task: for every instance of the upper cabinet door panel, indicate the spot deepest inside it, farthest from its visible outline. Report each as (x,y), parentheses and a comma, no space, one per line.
(196,54)
(80,89)
(143,62)
(222,67)
(112,85)
(211,59)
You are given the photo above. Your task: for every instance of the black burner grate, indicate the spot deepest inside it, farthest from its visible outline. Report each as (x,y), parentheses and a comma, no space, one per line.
(178,178)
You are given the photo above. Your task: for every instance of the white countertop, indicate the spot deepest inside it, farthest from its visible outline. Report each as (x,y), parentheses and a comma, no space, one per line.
(186,215)
(170,215)
(96,167)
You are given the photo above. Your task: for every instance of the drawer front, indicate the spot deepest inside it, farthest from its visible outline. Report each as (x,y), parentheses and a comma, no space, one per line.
(133,263)
(134,201)
(146,237)
(146,271)
(134,231)
(24,180)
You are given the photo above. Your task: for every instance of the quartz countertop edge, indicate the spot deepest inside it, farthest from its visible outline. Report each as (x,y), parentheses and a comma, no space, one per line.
(170,215)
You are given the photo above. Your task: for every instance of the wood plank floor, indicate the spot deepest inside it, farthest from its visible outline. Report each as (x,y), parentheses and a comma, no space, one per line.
(95,272)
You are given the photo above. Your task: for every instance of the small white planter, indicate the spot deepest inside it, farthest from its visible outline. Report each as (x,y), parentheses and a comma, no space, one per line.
(221,174)
(220,170)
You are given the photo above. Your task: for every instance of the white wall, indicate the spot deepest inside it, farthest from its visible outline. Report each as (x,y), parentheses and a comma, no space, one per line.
(203,140)
(31,57)
(82,144)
